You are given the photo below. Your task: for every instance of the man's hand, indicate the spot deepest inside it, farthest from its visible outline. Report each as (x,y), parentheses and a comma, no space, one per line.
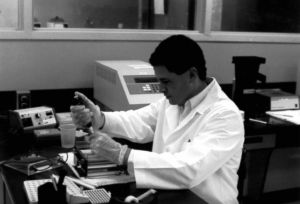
(105,146)
(86,113)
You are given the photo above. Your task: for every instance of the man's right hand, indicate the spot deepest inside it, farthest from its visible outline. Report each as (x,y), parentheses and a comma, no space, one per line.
(86,113)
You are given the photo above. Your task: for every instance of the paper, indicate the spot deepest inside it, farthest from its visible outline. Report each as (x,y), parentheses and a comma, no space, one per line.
(292,116)
(159,7)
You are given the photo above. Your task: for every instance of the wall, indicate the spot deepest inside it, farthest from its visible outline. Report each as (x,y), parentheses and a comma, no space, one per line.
(40,65)
(36,65)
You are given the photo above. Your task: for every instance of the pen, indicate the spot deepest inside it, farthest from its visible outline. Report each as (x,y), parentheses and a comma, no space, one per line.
(74,170)
(53,182)
(287,116)
(258,121)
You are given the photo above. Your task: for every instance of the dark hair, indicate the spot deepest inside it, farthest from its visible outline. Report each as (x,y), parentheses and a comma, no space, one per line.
(178,54)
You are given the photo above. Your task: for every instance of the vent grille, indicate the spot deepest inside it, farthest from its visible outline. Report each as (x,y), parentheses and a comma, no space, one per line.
(107,74)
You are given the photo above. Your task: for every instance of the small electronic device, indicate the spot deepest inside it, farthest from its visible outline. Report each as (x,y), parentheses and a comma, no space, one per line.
(29,119)
(276,99)
(33,164)
(125,85)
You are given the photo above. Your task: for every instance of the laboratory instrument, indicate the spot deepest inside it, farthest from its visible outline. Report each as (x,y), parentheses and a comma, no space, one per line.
(125,85)
(29,119)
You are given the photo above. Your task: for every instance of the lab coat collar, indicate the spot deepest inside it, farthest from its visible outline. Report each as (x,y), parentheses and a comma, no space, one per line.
(172,116)
(205,99)
(212,94)
(196,100)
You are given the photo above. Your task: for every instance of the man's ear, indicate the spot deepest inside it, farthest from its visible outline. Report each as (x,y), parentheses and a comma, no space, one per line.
(193,73)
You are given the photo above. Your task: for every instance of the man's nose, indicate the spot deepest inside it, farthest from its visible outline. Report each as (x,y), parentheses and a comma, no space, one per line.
(162,88)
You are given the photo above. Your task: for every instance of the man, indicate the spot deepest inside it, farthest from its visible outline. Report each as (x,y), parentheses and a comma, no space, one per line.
(197,131)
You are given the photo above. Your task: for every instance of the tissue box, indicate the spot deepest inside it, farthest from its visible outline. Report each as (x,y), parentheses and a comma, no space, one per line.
(47,134)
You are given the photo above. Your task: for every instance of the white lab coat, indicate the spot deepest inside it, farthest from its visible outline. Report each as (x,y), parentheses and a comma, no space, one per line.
(202,153)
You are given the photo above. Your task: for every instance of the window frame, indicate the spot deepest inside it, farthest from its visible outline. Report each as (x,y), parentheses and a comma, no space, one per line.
(202,31)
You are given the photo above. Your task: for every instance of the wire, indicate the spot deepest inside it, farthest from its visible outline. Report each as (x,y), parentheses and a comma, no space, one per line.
(60,158)
(33,167)
(15,132)
(2,141)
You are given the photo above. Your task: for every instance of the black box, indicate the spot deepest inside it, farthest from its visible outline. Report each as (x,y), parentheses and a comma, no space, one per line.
(47,134)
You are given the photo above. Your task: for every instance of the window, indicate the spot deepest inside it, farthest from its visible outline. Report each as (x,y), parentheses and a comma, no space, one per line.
(267,16)
(202,20)
(9,14)
(115,14)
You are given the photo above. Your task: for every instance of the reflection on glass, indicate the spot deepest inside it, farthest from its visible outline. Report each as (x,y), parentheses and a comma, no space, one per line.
(113,14)
(8,14)
(274,16)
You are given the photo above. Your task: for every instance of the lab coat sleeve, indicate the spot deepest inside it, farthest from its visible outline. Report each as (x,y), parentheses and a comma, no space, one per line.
(136,126)
(213,146)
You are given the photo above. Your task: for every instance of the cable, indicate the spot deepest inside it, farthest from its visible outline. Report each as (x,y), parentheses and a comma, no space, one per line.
(15,132)
(2,141)
(48,166)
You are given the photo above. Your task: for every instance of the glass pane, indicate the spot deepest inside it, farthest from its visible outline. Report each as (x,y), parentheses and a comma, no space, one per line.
(275,16)
(8,14)
(112,14)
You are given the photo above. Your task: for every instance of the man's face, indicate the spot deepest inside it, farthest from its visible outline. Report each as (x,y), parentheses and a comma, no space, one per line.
(175,87)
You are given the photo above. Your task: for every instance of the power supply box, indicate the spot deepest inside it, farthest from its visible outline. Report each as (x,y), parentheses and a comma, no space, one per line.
(29,119)
(276,99)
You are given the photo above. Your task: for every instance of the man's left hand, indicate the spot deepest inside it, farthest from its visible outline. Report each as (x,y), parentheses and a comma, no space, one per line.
(105,146)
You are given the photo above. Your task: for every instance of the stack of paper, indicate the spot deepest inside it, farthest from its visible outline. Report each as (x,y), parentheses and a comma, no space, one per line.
(292,116)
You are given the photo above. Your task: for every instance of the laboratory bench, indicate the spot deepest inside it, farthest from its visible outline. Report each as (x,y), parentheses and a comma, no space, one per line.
(286,133)
(260,141)
(13,181)
(262,137)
